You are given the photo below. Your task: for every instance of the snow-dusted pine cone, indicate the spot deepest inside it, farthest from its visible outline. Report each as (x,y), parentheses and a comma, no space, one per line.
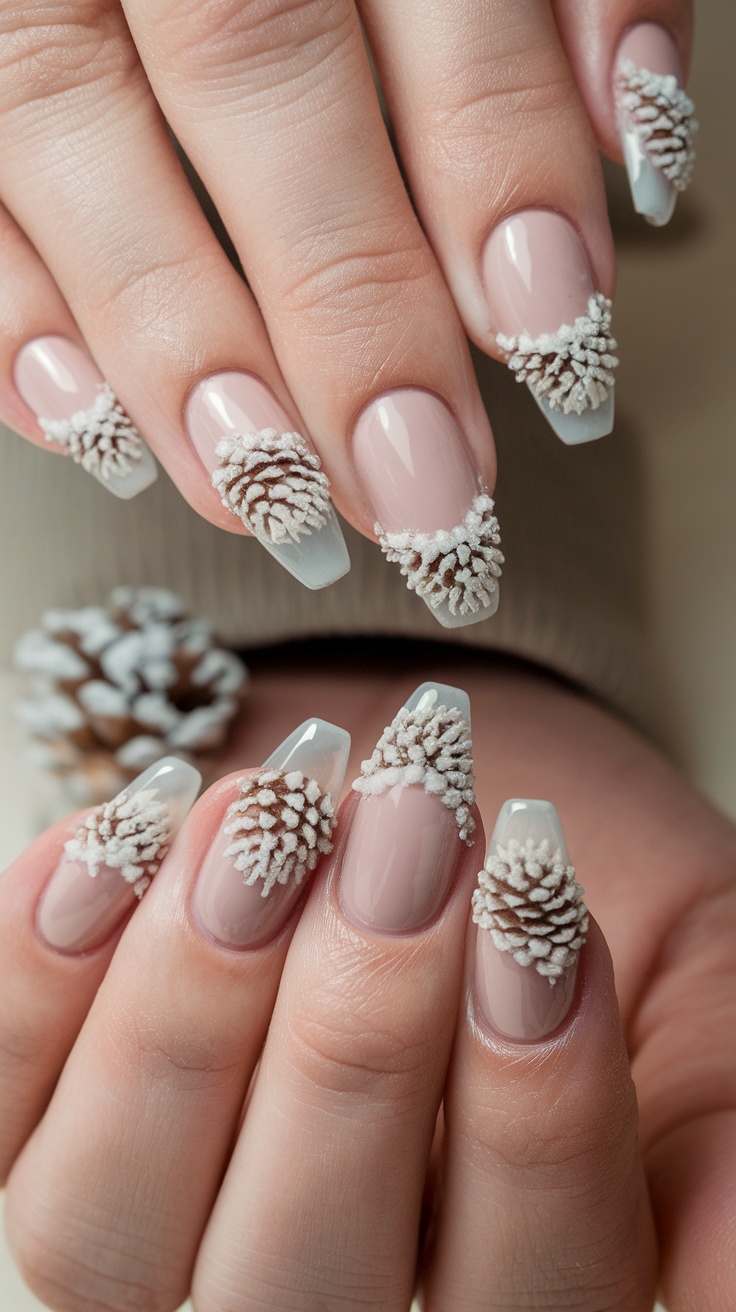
(570,369)
(115,687)
(280,825)
(274,482)
(460,566)
(130,834)
(529,900)
(102,439)
(429,747)
(662,115)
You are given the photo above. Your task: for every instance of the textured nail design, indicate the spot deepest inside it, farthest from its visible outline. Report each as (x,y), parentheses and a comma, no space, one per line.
(114,855)
(531,907)
(275,831)
(267,475)
(416,794)
(552,324)
(78,411)
(656,121)
(432,518)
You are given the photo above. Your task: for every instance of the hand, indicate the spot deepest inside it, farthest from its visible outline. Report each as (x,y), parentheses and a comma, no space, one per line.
(352,334)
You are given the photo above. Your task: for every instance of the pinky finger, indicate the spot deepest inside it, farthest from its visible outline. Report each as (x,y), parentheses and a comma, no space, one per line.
(51,390)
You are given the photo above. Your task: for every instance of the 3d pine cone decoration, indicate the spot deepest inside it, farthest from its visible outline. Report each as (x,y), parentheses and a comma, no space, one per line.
(662,116)
(529,900)
(103,440)
(131,834)
(274,482)
(459,567)
(280,826)
(430,747)
(115,687)
(570,369)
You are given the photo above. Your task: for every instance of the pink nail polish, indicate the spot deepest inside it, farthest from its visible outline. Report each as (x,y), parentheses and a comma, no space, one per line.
(432,516)
(551,322)
(267,475)
(78,411)
(416,794)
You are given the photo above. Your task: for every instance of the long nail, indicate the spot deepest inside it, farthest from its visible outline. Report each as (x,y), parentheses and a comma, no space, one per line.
(267,475)
(416,794)
(273,835)
(432,516)
(78,411)
(113,856)
(551,322)
(532,923)
(655,120)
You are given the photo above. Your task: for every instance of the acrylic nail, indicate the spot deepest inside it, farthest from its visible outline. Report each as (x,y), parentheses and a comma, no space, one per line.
(416,795)
(112,858)
(78,411)
(432,516)
(655,120)
(274,833)
(531,922)
(550,321)
(267,475)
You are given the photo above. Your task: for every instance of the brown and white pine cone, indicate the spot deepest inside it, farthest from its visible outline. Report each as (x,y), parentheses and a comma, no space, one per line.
(662,115)
(432,748)
(530,902)
(279,826)
(572,368)
(130,834)
(102,439)
(459,567)
(274,482)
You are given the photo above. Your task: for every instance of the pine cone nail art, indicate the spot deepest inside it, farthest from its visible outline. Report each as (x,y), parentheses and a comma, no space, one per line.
(662,115)
(571,369)
(279,826)
(275,483)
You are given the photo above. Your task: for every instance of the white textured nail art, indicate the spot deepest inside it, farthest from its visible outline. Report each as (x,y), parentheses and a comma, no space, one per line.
(105,442)
(657,110)
(571,370)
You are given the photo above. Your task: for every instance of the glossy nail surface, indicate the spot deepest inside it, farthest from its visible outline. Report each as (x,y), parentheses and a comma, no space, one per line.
(432,517)
(76,409)
(272,837)
(267,475)
(531,924)
(655,119)
(551,321)
(110,861)
(406,832)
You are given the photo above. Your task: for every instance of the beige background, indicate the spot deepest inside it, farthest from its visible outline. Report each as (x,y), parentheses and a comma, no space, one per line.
(674,317)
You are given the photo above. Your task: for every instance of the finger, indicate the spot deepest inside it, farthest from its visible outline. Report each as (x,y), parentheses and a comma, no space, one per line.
(275,105)
(543,1195)
(504,170)
(155,297)
(108,1201)
(45,385)
(320,1206)
(58,933)
(630,61)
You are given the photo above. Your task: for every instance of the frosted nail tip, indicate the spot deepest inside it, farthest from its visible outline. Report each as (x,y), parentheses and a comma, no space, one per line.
(175,782)
(141,476)
(317,748)
(318,559)
(448,620)
(574,429)
(653,195)
(430,695)
(524,818)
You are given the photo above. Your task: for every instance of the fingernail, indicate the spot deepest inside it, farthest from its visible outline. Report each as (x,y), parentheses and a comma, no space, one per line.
(553,325)
(273,835)
(416,794)
(433,519)
(655,120)
(78,411)
(114,855)
(267,475)
(532,924)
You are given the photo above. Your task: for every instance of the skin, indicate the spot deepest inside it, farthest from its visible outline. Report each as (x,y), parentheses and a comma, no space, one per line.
(144,1180)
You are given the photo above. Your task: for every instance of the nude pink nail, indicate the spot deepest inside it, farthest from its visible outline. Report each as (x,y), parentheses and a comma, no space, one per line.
(77,410)
(531,922)
(416,793)
(551,322)
(432,516)
(267,474)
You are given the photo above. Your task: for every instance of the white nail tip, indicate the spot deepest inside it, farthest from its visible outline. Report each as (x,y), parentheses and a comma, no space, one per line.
(428,696)
(574,429)
(320,750)
(524,818)
(317,559)
(141,476)
(652,194)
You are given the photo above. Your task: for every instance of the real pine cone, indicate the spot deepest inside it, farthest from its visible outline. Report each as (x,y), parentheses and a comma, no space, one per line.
(280,825)
(274,482)
(529,900)
(130,834)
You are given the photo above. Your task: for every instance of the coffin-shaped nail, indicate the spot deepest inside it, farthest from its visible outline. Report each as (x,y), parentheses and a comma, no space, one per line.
(79,412)
(532,923)
(268,475)
(113,856)
(274,833)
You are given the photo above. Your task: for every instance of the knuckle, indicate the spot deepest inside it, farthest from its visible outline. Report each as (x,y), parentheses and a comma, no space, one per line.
(177,1056)
(50,49)
(149,295)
